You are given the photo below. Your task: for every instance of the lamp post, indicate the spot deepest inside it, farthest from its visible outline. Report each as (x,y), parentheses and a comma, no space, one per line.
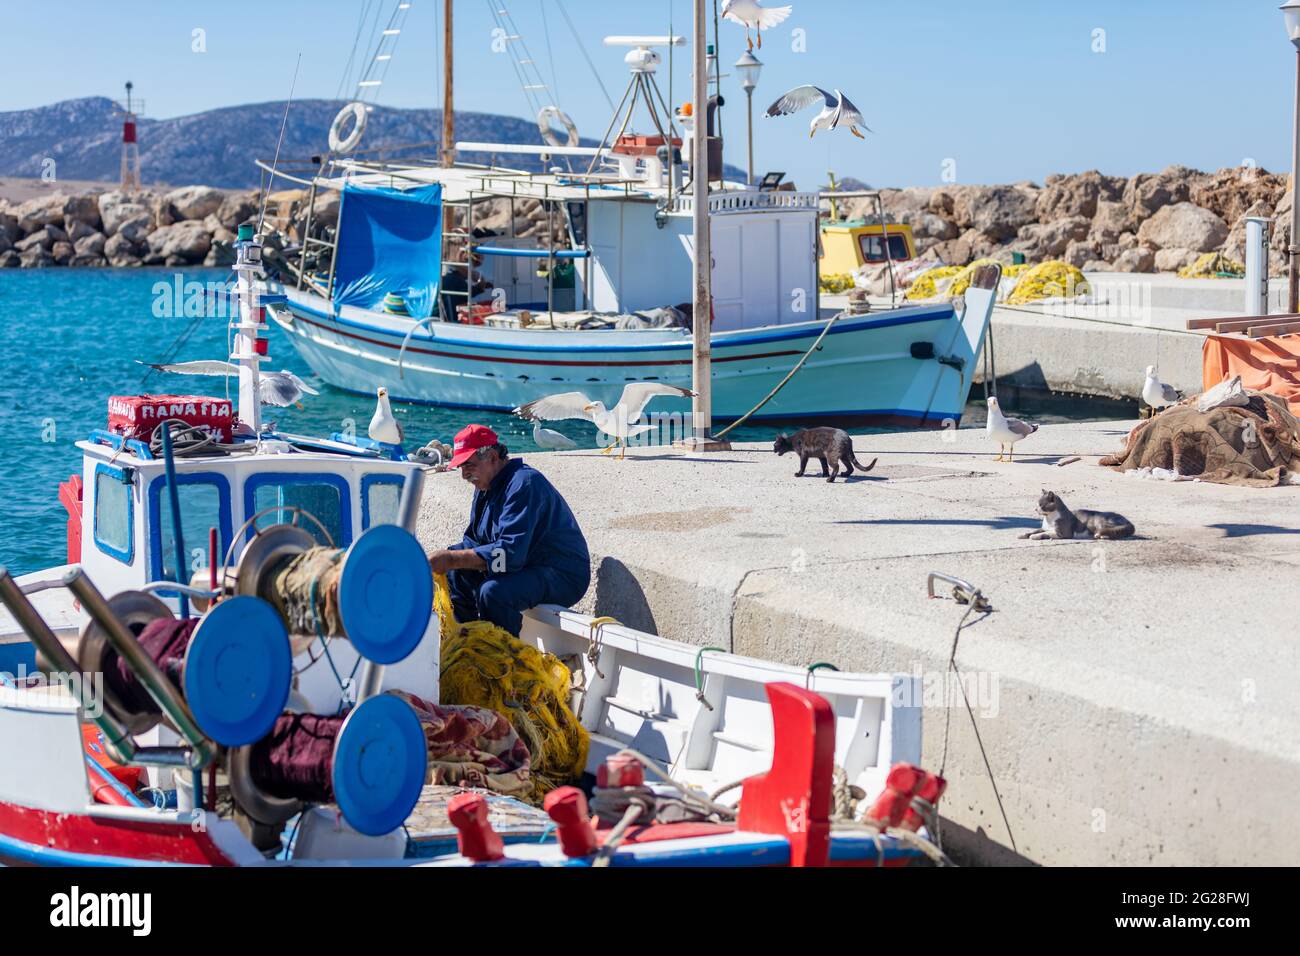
(1291,11)
(749,66)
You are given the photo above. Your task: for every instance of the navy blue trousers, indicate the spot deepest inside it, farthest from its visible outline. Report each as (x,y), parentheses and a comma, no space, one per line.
(503,598)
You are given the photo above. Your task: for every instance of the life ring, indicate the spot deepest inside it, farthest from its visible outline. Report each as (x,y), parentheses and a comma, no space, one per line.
(544,117)
(358,113)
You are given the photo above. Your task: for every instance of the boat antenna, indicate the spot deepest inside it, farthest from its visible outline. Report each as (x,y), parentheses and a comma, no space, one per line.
(274,162)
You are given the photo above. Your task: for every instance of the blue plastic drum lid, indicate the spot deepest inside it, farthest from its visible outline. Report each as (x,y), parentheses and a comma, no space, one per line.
(380,762)
(385,594)
(238,670)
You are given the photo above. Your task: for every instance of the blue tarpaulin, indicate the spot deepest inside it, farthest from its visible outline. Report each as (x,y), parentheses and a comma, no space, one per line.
(390,240)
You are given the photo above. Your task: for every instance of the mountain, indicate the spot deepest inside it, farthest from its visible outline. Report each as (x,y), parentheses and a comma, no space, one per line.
(217,147)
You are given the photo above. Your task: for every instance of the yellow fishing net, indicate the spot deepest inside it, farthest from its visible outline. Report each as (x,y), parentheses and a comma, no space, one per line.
(1212,265)
(485,666)
(925,286)
(1049,280)
(836,282)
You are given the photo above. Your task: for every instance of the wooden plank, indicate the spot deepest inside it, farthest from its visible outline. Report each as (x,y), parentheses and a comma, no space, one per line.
(1241,325)
(1194,324)
(1263,331)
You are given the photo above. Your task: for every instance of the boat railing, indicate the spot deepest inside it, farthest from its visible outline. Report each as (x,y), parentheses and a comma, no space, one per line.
(745,200)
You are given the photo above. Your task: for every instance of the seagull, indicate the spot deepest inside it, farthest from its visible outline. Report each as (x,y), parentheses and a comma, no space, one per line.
(383,426)
(1156,393)
(281,388)
(836,109)
(1007,431)
(752,15)
(617,422)
(550,439)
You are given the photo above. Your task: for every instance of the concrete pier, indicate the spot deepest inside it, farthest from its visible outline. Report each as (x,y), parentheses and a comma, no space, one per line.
(1137,699)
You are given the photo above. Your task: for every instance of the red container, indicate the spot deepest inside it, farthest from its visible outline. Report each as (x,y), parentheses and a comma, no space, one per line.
(474,314)
(136,416)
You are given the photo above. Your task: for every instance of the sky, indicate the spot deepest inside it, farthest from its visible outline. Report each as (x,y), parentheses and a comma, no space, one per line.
(953,90)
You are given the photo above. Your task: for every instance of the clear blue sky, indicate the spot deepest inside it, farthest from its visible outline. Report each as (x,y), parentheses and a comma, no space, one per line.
(1008,89)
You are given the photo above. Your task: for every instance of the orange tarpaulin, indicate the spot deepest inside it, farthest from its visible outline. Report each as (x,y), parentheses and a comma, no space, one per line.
(1269,364)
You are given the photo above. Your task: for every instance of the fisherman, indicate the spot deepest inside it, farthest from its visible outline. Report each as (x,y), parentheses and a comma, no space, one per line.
(455,283)
(523,546)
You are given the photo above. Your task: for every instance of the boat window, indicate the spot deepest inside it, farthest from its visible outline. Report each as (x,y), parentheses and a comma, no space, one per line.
(380,495)
(325,497)
(874,251)
(114,512)
(205,504)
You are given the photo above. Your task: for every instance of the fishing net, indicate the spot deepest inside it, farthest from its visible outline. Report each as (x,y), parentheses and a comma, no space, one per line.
(1049,280)
(305,593)
(1252,445)
(932,283)
(485,666)
(836,282)
(1212,265)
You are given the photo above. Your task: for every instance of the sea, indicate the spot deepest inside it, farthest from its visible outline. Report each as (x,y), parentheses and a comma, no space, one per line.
(69,338)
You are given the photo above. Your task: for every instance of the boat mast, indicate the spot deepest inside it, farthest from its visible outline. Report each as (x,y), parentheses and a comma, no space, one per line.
(448,116)
(701,438)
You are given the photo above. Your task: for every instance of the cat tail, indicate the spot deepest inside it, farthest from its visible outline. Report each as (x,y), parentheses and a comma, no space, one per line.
(861,467)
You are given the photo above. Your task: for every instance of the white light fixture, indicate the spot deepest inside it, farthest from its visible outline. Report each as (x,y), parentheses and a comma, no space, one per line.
(1291,10)
(749,66)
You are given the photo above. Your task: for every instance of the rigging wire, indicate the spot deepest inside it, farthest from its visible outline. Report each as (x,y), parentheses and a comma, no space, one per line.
(582,47)
(356,38)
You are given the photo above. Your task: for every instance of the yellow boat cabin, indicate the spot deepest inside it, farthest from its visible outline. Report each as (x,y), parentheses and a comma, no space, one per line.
(856,242)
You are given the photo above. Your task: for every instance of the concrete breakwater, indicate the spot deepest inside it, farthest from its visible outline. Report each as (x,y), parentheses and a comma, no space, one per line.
(1123,690)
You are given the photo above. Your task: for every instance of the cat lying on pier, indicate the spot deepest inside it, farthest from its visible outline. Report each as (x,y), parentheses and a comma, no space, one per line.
(1060,522)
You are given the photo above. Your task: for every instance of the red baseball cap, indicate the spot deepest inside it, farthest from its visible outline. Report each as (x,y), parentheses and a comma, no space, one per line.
(469,440)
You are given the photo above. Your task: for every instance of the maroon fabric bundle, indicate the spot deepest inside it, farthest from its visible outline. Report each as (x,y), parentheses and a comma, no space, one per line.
(295,760)
(165,641)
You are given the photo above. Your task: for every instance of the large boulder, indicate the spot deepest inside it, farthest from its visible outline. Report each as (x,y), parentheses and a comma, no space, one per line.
(180,243)
(62,252)
(1184,225)
(35,258)
(77,229)
(1171,260)
(1109,221)
(1137,259)
(237,208)
(1147,193)
(121,251)
(1230,192)
(1079,254)
(1048,240)
(10,260)
(1234,247)
(91,245)
(997,211)
(82,209)
(40,239)
(118,211)
(37,213)
(325,209)
(195,202)
(1076,195)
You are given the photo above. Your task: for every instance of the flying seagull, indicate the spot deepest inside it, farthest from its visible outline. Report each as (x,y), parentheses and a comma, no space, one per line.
(617,422)
(1007,431)
(836,109)
(281,388)
(752,15)
(1156,393)
(383,426)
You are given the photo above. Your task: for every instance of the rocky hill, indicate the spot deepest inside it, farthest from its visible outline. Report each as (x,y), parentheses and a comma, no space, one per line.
(1151,222)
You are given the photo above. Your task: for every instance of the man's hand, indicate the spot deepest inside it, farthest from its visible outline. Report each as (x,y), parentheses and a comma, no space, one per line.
(444,560)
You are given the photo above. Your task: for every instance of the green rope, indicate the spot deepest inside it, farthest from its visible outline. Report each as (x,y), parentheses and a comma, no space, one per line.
(699,675)
(816,667)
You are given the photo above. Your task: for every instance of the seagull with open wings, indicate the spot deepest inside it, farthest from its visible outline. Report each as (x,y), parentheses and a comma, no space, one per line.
(619,422)
(836,109)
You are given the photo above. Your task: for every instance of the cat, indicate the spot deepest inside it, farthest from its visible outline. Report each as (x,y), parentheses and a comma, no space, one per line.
(1060,522)
(823,444)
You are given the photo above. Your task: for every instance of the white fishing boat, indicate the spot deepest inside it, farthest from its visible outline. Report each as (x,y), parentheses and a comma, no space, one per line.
(611,300)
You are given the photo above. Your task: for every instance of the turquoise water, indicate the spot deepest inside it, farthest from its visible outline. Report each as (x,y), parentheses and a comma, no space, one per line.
(71,338)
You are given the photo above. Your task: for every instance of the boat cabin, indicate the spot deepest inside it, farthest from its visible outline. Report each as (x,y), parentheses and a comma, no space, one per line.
(849,245)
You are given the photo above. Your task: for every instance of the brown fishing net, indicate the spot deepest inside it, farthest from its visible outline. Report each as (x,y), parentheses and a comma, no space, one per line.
(305,592)
(1251,445)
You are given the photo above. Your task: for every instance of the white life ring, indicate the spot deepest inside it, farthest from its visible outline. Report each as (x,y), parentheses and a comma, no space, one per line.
(358,113)
(544,117)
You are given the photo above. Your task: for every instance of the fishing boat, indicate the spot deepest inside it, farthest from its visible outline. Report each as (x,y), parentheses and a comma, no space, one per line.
(607,294)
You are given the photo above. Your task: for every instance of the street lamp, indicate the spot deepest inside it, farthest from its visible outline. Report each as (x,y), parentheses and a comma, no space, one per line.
(1291,11)
(748,66)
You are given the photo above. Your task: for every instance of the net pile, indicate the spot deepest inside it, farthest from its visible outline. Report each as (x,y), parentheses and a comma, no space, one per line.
(305,593)
(1212,265)
(836,282)
(1048,280)
(932,283)
(485,666)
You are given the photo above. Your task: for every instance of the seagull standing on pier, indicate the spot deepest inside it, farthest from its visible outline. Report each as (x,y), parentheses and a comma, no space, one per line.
(1157,394)
(752,15)
(617,422)
(836,109)
(1006,431)
(281,388)
(551,440)
(383,426)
